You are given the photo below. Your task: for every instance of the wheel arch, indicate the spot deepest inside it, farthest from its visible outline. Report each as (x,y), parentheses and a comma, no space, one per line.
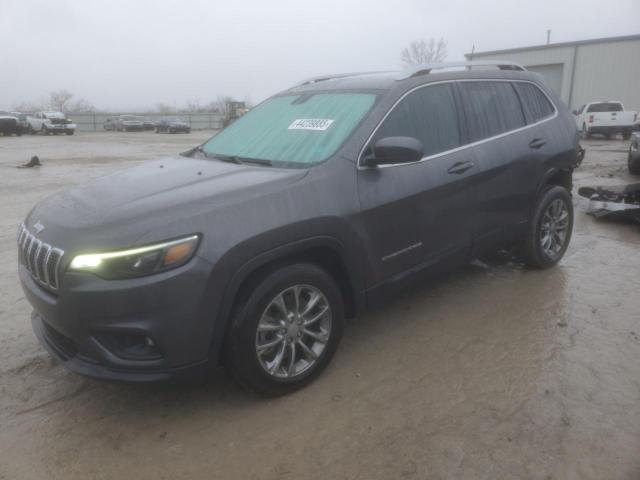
(562,177)
(326,252)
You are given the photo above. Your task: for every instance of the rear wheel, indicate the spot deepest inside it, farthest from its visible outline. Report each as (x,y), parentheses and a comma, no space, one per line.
(285,329)
(549,231)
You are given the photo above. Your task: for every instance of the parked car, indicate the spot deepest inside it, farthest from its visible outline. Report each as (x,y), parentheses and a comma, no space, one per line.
(109,124)
(129,123)
(251,249)
(607,118)
(148,123)
(9,124)
(22,120)
(50,123)
(172,125)
(634,150)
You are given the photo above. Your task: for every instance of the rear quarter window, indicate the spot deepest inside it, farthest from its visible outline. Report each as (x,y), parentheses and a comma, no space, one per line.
(536,105)
(491,108)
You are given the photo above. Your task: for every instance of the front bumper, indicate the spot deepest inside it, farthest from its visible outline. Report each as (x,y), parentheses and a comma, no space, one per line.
(62,127)
(81,325)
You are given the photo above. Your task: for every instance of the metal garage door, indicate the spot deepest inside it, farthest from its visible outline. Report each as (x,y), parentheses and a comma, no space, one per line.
(551,73)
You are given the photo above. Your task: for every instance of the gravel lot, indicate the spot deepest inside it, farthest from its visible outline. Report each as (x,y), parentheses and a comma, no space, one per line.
(491,373)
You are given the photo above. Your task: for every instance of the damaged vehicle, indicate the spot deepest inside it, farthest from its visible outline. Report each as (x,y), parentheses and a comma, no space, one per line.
(51,123)
(617,202)
(251,250)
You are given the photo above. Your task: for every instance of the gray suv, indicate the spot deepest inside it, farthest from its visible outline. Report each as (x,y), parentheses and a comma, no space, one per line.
(251,249)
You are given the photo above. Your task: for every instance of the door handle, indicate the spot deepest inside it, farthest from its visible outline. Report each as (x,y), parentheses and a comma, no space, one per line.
(460,167)
(537,143)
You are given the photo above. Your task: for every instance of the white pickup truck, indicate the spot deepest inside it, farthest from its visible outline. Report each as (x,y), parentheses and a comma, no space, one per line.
(50,122)
(607,118)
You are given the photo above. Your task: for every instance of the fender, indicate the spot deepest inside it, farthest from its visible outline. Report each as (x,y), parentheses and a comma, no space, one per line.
(217,306)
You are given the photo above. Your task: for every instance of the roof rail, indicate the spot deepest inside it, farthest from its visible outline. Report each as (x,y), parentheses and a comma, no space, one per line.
(339,75)
(426,69)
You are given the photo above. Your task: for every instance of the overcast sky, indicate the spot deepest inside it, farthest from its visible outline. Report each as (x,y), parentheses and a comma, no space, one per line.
(134,54)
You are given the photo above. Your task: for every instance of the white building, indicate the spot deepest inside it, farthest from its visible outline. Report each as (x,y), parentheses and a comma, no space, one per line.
(584,71)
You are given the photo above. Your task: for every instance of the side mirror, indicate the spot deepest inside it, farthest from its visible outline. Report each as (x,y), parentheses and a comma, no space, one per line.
(394,150)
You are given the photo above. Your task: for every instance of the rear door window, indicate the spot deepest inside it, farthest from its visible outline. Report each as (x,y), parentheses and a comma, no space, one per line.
(428,114)
(492,108)
(535,103)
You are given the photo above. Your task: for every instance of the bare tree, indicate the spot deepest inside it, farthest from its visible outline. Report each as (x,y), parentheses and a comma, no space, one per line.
(164,108)
(28,107)
(420,52)
(80,106)
(60,100)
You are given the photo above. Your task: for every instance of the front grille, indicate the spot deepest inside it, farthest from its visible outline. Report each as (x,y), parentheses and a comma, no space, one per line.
(41,259)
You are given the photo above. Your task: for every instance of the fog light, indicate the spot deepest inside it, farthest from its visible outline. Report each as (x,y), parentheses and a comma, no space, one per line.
(130,346)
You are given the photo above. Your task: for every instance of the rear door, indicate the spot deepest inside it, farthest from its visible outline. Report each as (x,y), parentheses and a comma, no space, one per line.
(419,213)
(509,154)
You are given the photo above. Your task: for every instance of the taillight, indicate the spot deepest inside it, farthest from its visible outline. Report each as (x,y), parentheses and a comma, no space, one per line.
(590,118)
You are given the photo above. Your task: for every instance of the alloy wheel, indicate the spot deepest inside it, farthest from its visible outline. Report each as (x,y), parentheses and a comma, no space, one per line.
(554,228)
(293,331)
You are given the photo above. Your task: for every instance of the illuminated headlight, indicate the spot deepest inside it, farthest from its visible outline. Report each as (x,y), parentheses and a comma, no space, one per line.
(139,261)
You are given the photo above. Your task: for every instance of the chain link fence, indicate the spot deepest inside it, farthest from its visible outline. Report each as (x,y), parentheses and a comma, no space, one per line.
(94,122)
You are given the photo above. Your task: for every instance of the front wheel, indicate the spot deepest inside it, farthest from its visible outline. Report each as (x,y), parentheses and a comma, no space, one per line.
(285,329)
(549,231)
(585,131)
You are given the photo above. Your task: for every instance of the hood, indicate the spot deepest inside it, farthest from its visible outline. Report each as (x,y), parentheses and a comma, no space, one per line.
(119,209)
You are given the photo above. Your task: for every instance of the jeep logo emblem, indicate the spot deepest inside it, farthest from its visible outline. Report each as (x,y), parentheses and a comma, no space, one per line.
(38,227)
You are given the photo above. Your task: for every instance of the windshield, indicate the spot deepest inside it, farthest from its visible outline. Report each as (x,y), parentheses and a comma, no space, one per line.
(294,129)
(605,107)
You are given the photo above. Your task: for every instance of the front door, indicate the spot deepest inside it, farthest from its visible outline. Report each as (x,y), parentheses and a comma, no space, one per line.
(416,214)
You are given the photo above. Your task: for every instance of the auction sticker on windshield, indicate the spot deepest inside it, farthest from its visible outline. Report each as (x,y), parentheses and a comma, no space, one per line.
(320,124)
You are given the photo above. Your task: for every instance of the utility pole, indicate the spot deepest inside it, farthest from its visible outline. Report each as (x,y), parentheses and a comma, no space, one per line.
(548,36)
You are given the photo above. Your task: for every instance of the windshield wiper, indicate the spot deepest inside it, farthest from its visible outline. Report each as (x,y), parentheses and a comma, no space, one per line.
(239,160)
(232,158)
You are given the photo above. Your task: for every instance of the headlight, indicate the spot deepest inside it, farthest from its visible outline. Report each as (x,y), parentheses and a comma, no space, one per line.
(139,261)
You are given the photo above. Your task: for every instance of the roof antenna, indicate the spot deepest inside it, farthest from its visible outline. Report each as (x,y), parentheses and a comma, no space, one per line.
(548,36)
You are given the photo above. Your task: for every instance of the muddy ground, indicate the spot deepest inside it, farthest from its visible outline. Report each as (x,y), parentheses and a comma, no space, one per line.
(491,373)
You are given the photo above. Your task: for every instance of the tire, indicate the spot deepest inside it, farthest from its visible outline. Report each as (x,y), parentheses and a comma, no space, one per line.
(69,132)
(634,164)
(626,135)
(258,304)
(535,253)
(585,132)
(44,130)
